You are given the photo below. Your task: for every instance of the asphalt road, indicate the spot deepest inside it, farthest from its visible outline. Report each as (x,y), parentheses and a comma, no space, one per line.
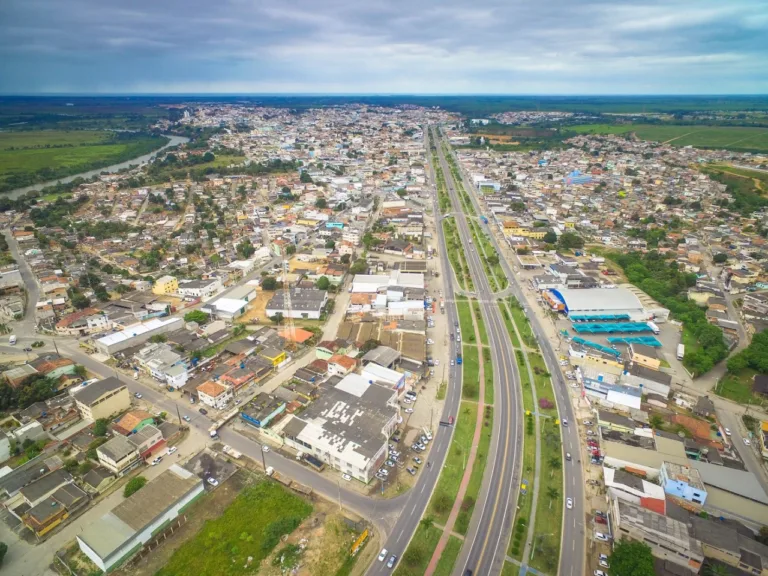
(572,546)
(416,500)
(27,324)
(485,545)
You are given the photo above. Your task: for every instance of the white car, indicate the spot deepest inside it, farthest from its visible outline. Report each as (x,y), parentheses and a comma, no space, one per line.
(602,537)
(212,481)
(346,477)
(600,573)
(604,563)
(437,362)
(138,395)
(265,448)
(409,410)
(727,432)
(171,450)
(429,435)
(746,442)
(382,554)
(430,341)
(407,400)
(569,503)
(453,363)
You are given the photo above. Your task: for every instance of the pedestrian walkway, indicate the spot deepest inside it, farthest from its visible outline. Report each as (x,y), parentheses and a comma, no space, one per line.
(448,528)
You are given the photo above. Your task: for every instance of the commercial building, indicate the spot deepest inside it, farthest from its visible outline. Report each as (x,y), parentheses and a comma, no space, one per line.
(683,484)
(599,301)
(119,534)
(232,304)
(199,288)
(214,394)
(102,399)
(165,285)
(307,303)
(669,539)
(118,455)
(348,426)
(136,334)
(366,283)
(385,376)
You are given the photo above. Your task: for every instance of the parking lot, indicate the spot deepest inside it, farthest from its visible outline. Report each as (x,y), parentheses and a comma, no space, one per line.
(210,465)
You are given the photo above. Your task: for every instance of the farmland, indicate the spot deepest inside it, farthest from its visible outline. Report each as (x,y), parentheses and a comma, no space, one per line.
(735,138)
(36,156)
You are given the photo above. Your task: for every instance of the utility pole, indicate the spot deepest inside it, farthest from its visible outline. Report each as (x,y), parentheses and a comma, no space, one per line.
(338,483)
(178,413)
(263,460)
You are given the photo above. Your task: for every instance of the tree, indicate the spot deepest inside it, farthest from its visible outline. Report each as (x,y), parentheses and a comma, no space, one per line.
(305,178)
(569,241)
(209,157)
(277,318)
(80,371)
(762,536)
(134,485)
(345,259)
(100,427)
(323,283)
(632,558)
(196,316)
(330,244)
(554,463)
(269,283)
(550,237)
(552,494)
(369,345)
(720,258)
(3,551)
(359,266)
(657,421)
(290,250)
(712,569)
(245,249)
(158,339)
(321,203)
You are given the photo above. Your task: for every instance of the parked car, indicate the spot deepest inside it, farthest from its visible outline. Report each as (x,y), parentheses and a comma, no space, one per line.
(137,395)
(600,573)
(428,435)
(157,461)
(264,448)
(346,477)
(212,481)
(187,418)
(600,520)
(417,460)
(604,563)
(727,431)
(409,410)
(601,514)
(602,537)
(171,450)
(203,411)
(587,423)
(411,471)
(746,442)
(382,554)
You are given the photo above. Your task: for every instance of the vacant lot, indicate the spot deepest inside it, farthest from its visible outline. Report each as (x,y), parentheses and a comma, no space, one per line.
(738,387)
(236,542)
(720,137)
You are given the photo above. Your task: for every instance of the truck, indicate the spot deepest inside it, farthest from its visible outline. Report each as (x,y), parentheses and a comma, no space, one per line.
(653,327)
(442,305)
(232,452)
(680,351)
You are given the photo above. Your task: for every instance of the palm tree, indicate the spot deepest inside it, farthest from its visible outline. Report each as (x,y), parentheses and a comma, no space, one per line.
(427,522)
(657,421)
(554,463)
(552,494)
(716,570)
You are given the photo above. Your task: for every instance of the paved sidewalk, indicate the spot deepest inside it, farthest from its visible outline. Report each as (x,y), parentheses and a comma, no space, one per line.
(448,529)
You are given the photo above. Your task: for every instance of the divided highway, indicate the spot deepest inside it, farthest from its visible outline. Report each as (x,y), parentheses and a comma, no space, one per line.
(572,551)
(486,543)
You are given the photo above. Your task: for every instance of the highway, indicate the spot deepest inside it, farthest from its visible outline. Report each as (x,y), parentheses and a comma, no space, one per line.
(572,556)
(415,502)
(485,545)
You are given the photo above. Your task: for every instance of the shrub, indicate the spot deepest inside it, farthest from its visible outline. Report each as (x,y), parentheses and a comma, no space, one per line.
(134,485)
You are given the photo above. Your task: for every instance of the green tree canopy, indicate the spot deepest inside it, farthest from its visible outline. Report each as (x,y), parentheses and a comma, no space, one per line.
(570,241)
(550,237)
(632,558)
(323,283)
(196,316)
(134,485)
(100,427)
(269,283)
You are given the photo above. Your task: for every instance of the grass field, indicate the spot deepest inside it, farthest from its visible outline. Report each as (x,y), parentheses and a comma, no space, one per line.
(251,526)
(549,510)
(453,469)
(36,156)
(470,381)
(465,318)
(448,557)
(480,323)
(719,137)
(738,387)
(509,569)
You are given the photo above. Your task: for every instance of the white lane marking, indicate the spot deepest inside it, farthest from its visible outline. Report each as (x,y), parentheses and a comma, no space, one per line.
(422,488)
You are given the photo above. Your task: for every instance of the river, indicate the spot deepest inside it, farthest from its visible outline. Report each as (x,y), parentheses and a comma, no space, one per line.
(174,140)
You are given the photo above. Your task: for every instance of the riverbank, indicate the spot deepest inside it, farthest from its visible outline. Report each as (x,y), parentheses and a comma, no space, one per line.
(141,159)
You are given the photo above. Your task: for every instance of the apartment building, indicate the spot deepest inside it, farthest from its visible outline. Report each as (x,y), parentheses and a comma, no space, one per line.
(102,399)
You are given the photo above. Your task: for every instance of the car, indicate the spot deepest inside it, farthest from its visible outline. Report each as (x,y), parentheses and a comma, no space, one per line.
(437,362)
(417,460)
(587,423)
(391,561)
(568,456)
(138,395)
(394,454)
(171,450)
(604,563)
(421,446)
(602,537)
(452,336)
(600,520)
(411,471)
(424,440)
(569,503)
(458,338)
(203,411)
(264,448)
(601,514)
(383,472)
(450,420)
(407,401)
(409,410)
(565,421)
(191,400)
(157,461)
(411,393)
(346,477)
(212,481)
(603,556)
(453,362)
(563,362)
(187,418)
(746,442)
(727,432)
(430,341)
(599,573)
(590,433)
(382,554)
(28,349)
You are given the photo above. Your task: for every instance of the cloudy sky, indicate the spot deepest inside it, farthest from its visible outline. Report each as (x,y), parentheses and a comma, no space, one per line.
(384,46)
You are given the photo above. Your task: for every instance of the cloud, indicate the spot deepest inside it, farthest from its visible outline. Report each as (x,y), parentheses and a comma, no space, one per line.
(422,46)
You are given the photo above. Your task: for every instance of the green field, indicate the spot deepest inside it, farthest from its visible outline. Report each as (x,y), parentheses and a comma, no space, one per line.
(480,323)
(738,387)
(470,381)
(448,557)
(739,138)
(251,526)
(416,558)
(476,478)
(32,157)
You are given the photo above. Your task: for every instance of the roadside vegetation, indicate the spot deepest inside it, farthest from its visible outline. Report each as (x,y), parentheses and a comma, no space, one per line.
(456,255)
(737,383)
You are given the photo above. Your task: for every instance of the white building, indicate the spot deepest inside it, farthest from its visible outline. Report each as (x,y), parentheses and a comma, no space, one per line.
(214,394)
(136,334)
(200,288)
(385,376)
(368,283)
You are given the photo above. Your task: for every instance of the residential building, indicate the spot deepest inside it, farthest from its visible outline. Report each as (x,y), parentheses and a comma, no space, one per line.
(200,288)
(214,394)
(118,455)
(165,285)
(683,483)
(102,399)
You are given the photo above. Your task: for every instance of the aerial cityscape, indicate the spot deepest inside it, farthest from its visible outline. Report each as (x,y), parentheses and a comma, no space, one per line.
(344,290)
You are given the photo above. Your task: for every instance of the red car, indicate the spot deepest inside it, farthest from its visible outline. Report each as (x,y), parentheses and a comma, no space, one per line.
(600,520)
(450,420)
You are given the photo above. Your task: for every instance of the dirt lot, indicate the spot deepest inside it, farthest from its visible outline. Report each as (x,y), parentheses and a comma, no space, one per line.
(258,305)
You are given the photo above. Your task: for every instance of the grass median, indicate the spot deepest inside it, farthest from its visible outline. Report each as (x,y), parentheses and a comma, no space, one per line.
(419,552)
(480,323)
(450,476)
(470,381)
(448,557)
(478,469)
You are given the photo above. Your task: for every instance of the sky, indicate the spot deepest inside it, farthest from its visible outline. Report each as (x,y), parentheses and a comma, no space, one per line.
(384,46)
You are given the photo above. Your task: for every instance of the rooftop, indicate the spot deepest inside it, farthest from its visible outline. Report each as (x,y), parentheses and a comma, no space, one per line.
(93,392)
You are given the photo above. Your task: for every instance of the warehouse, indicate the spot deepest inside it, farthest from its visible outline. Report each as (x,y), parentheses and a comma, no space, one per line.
(136,334)
(598,301)
(119,534)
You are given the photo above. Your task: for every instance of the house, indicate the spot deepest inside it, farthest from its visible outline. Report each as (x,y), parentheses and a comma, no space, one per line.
(704,407)
(102,399)
(644,356)
(82,322)
(307,303)
(274,356)
(683,484)
(165,285)
(339,365)
(214,395)
(118,455)
(133,421)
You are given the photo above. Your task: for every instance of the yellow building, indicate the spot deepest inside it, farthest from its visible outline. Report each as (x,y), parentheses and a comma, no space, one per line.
(102,399)
(273,355)
(645,356)
(165,285)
